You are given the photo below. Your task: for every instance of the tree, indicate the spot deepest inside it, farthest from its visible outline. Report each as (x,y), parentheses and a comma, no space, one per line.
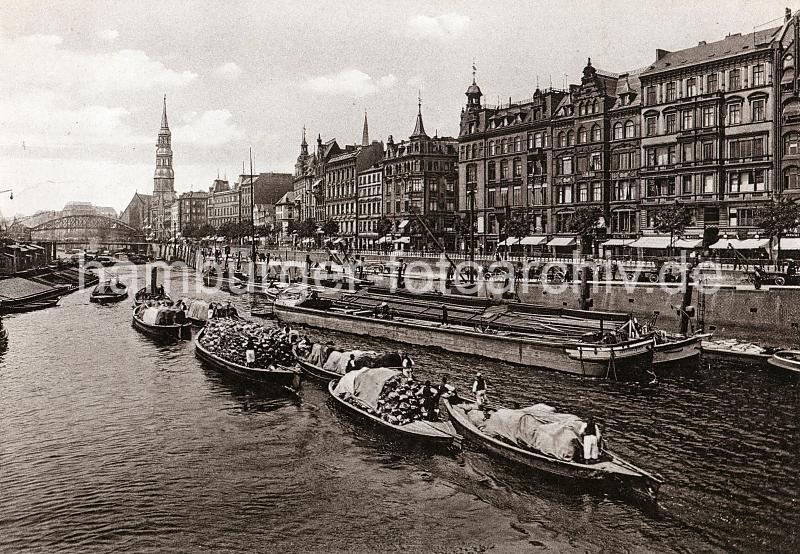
(330,228)
(672,219)
(187,231)
(460,227)
(584,223)
(384,226)
(308,228)
(206,230)
(778,219)
(518,225)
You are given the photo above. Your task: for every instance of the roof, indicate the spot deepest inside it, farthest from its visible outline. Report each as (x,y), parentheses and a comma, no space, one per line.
(629,83)
(732,45)
(270,187)
(287,198)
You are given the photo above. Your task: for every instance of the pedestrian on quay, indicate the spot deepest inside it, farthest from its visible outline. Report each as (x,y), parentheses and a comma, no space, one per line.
(445,318)
(479,388)
(308,265)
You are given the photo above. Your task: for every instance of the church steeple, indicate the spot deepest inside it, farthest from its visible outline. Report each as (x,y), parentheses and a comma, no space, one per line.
(365,133)
(164,176)
(304,144)
(164,124)
(419,128)
(473,92)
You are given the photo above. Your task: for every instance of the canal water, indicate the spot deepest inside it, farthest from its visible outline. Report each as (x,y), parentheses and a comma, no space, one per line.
(110,442)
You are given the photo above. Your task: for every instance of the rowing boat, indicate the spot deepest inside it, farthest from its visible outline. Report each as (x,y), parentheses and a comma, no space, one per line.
(109,291)
(432,433)
(278,376)
(786,359)
(612,468)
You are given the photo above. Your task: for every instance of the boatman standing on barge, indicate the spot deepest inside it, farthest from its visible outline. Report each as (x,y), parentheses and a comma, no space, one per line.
(479,388)
(591,441)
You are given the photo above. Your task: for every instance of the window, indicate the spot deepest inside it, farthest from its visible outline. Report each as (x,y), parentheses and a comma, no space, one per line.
(671,91)
(582,164)
(570,138)
(791,144)
(504,170)
(583,192)
(650,126)
(517,196)
(758,75)
(671,123)
(624,190)
(711,83)
(505,146)
(492,172)
(791,178)
(597,192)
(734,114)
(583,136)
(518,144)
(708,183)
(708,151)
(517,167)
(691,87)
(537,140)
(563,194)
(687,152)
(651,157)
(686,187)
(562,139)
(623,221)
(566,165)
(595,162)
(472,172)
(618,131)
(651,95)
(734,80)
(530,142)
(490,198)
(492,148)
(708,116)
(757,110)
(630,130)
(687,120)
(671,157)
(596,133)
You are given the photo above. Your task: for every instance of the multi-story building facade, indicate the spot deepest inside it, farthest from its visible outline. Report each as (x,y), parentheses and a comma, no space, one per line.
(268,190)
(505,165)
(340,179)
(325,152)
(303,182)
(189,212)
(370,200)
(715,127)
(285,213)
(708,123)
(421,177)
(223,204)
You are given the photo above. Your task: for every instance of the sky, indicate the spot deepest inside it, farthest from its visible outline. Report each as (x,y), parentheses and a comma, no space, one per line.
(83,81)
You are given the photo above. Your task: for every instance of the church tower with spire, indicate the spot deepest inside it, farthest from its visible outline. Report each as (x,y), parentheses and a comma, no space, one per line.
(163,181)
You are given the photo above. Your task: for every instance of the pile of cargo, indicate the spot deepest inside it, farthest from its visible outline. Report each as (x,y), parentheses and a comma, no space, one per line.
(331,359)
(227,338)
(385,393)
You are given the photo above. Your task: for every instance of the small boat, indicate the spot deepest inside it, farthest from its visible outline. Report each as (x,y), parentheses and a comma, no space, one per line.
(736,350)
(12,307)
(321,374)
(281,377)
(106,261)
(786,359)
(611,468)
(3,335)
(432,433)
(158,322)
(143,295)
(109,291)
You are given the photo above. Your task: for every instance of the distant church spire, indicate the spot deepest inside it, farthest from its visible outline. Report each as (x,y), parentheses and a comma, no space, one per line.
(365,134)
(304,144)
(164,124)
(419,128)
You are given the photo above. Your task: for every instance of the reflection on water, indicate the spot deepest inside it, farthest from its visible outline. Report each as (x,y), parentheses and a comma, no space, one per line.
(110,441)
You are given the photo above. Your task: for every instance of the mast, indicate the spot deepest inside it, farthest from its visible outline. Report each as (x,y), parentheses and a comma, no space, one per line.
(252,212)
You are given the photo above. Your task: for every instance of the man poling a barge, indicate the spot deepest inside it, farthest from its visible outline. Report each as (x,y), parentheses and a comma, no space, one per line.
(591,441)
(479,388)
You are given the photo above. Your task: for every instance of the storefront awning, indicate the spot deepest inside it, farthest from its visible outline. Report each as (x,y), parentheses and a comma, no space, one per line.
(655,243)
(402,240)
(510,241)
(738,244)
(791,243)
(533,241)
(383,240)
(402,225)
(689,244)
(617,242)
(562,241)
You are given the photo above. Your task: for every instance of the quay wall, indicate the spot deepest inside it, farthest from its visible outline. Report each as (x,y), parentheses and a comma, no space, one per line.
(769,316)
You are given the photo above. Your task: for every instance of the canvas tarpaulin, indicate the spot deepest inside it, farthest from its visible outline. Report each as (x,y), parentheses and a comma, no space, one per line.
(337,361)
(538,427)
(198,310)
(365,384)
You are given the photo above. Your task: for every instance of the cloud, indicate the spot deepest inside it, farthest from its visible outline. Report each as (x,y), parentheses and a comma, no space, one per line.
(228,70)
(211,128)
(40,61)
(349,82)
(445,26)
(108,35)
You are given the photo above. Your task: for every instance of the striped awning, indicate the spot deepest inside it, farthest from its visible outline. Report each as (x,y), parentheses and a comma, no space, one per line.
(562,241)
(533,241)
(617,242)
(739,244)
(655,243)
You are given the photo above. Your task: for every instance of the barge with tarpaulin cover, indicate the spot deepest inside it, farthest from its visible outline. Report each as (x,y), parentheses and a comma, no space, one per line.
(161,322)
(325,363)
(535,337)
(540,438)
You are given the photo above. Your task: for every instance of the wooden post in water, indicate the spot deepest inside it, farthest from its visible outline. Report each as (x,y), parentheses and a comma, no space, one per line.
(153,280)
(686,301)
(586,300)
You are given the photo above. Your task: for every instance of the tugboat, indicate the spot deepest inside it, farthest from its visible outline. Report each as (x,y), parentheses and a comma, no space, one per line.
(109,291)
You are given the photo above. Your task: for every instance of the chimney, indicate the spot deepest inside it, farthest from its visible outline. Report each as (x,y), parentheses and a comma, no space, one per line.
(701,43)
(661,53)
(788,14)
